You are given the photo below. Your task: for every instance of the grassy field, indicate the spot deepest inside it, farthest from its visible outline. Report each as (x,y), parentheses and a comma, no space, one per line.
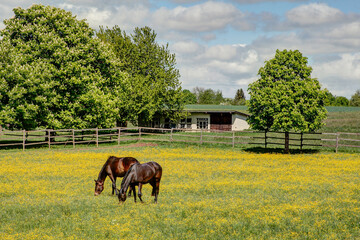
(205,193)
(342,122)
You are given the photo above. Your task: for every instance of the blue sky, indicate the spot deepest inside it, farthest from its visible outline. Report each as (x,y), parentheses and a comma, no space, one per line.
(222,44)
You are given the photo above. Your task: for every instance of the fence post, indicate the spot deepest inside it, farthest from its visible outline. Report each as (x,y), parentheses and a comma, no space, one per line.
(201,136)
(233,139)
(73,137)
(301,142)
(119,132)
(97,137)
(49,137)
(171,135)
(139,133)
(265,138)
(337,142)
(24,139)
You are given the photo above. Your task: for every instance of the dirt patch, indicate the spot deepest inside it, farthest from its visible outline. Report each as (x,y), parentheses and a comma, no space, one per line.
(142,145)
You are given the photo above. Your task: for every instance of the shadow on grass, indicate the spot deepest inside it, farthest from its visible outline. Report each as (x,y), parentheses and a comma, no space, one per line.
(280,150)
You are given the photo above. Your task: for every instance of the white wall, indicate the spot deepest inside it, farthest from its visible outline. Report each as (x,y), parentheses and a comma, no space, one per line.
(239,122)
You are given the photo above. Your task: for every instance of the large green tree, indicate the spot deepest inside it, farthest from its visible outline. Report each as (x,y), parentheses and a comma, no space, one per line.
(286,98)
(153,86)
(55,74)
(355,99)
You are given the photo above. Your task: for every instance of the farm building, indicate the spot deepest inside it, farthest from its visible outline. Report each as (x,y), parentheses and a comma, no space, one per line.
(214,117)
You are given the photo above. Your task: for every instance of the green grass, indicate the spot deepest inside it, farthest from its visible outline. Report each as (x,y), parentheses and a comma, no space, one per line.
(205,193)
(342,122)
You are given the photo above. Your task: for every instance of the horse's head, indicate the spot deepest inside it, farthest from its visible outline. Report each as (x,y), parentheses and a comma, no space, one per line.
(99,187)
(122,195)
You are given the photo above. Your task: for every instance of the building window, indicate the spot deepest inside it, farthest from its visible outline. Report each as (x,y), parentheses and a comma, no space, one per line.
(202,123)
(185,123)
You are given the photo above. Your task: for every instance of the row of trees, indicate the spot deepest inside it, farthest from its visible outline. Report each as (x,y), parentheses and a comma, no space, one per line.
(332,100)
(55,72)
(209,96)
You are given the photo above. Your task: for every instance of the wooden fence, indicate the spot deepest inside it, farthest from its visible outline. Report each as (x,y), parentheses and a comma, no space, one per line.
(74,137)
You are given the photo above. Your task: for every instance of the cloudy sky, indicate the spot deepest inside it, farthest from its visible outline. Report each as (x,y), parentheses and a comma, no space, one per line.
(222,44)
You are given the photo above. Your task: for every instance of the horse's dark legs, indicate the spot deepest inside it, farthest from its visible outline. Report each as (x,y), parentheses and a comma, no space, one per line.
(140,194)
(155,184)
(113,180)
(133,189)
(153,193)
(114,187)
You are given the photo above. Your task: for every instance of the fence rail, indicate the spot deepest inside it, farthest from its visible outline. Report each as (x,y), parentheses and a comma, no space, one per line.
(97,136)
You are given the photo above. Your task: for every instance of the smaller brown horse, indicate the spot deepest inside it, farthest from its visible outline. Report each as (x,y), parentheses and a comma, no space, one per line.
(140,174)
(114,167)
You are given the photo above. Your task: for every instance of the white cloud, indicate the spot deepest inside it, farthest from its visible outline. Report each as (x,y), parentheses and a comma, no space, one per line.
(186,47)
(205,17)
(221,52)
(314,14)
(127,17)
(341,76)
(344,31)
(223,67)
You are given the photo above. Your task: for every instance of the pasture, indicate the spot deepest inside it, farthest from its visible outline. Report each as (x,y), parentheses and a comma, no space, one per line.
(205,193)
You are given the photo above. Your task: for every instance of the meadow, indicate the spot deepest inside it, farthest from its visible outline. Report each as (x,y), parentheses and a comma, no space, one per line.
(205,193)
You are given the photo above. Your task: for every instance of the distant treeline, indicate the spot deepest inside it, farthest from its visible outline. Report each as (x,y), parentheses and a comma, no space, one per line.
(201,95)
(333,100)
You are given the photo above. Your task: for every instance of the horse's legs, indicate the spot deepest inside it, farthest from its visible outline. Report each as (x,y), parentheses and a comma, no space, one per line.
(157,185)
(153,193)
(140,194)
(133,189)
(113,180)
(114,187)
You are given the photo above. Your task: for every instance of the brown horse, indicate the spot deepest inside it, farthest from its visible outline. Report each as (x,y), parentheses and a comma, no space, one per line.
(114,167)
(140,174)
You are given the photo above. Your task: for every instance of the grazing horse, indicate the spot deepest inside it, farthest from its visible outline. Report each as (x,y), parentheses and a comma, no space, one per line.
(113,167)
(140,174)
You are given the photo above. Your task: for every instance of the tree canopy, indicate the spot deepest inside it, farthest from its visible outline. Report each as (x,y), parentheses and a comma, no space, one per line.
(239,98)
(208,96)
(189,97)
(355,99)
(285,97)
(55,74)
(153,86)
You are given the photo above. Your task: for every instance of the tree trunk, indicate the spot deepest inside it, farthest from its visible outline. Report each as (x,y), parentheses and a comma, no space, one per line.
(287,143)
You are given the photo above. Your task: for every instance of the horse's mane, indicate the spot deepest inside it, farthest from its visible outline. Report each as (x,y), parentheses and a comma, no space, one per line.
(127,174)
(104,166)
